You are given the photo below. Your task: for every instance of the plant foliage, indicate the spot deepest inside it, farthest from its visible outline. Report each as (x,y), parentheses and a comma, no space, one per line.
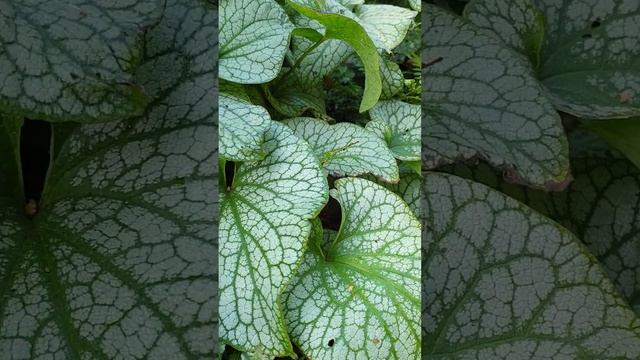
(530,236)
(115,261)
(302,275)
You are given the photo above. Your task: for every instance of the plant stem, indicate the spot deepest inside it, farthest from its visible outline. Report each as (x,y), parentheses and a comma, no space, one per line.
(303,56)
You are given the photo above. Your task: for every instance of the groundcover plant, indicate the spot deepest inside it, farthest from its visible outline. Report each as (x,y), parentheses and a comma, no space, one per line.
(114,258)
(320,172)
(531,205)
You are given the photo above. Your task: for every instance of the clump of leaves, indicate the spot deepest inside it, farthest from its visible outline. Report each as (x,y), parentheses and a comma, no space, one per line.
(542,262)
(301,276)
(114,256)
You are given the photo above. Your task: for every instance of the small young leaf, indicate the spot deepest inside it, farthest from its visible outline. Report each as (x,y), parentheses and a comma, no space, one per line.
(347,149)
(254,37)
(404,124)
(361,297)
(264,225)
(291,97)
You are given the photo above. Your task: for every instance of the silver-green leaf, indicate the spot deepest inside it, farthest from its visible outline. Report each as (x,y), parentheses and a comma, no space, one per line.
(501,279)
(590,56)
(264,226)
(400,124)
(481,100)
(357,293)
(118,262)
(347,149)
(387,25)
(242,128)
(73,60)
(254,37)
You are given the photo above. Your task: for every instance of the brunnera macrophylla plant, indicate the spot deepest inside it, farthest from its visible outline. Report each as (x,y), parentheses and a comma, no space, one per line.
(117,258)
(533,252)
(295,279)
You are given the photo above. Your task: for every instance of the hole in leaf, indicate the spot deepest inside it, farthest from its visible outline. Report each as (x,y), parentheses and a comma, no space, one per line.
(587,36)
(229,172)
(74,76)
(331,342)
(331,215)
(35,143)
(596,23)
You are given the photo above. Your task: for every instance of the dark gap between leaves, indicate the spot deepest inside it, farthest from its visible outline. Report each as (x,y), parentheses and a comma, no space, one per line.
(331,215)
(229,172)
(35,143)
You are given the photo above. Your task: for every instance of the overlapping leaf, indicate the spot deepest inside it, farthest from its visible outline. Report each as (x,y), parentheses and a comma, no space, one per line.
(347,149)
(482,101)
(590,58)
(117,263)
(73,60)
(357,293)
(341,27)
(387,25)
(399,123)
(601,207)
(264,225)
(501,279)
(622,134)
(242,128)
(254,37)
(519,24)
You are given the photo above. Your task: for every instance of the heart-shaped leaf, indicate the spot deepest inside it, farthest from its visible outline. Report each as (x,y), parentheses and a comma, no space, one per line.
(73,60)
(483,101)
(347,149)
(501,279)
(254,37)
(264,225)
(117,263)
(357,293)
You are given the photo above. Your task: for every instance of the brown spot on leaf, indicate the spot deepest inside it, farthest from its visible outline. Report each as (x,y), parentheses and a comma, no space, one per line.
(625,97)
(376,341)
